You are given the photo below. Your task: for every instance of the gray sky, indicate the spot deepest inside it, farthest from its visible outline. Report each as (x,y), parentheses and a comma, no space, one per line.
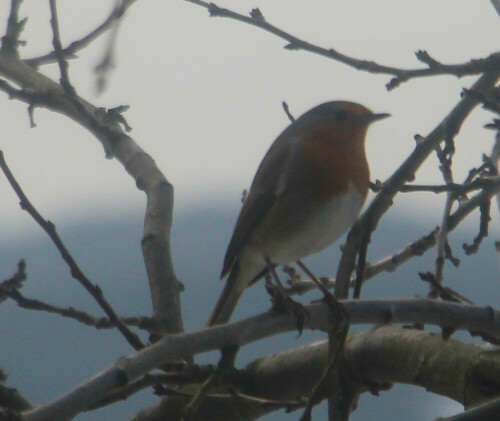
(205,95)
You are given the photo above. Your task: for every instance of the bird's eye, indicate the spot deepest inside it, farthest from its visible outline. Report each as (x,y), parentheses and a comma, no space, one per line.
(340,115)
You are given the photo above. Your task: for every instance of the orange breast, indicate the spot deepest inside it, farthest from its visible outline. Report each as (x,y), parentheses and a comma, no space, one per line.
(336,159)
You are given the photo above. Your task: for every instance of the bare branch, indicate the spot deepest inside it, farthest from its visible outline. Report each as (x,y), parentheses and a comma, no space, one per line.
(495,158)
(496,5)
(415,248)
(450,125)
(94,290)
(488,64)
(428,241)
(70,51)
(11,399)
(103,69)
(376,359)
(301,286)
(437,289)
(445,156)
(174,347)
(10,41)
(457,189)
(164,286)
(287,112)
(15,282)
(360,267)
(486,411)
(484,209)
(87,319)
(56,42)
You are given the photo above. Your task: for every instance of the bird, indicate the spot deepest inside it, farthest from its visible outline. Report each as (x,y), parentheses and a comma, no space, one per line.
(307,191)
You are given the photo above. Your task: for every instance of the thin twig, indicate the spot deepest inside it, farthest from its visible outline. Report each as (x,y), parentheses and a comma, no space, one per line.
(391,263)
(225,365)
(445,293)
(495,154)
(414,249)
(335,353)
(381,203)
(484,220)
(94,290)
(71,50)
(10,41)
(287,112)
(56,42)
(153,379)
(337,335)
(80,316)
(164,286)
(106,64)
(457,189)
(445,156)
(301,286)
(256,18)
(360,267)
(15,282)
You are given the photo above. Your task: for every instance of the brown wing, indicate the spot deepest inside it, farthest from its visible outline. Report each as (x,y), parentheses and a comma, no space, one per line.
(251,215)
(266,188)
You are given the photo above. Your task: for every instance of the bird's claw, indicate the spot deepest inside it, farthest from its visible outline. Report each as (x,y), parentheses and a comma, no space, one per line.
(283,304)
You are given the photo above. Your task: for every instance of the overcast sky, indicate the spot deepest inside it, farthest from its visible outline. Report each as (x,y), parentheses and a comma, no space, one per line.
(205,95)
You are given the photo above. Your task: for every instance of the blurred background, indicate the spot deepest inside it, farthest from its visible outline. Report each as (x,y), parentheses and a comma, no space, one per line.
(205,96)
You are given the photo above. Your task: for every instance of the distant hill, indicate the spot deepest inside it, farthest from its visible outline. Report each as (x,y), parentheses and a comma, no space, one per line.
(46,355)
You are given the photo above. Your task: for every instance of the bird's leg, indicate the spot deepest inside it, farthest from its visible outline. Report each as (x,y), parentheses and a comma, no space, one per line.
(282,302)
(279,296)
(328,295)
(274,275)
(338,311)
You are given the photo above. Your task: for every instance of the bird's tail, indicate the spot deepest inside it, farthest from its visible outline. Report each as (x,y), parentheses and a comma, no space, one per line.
(239,278)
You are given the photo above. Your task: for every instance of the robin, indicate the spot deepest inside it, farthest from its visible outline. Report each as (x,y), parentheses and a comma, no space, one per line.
(308,191)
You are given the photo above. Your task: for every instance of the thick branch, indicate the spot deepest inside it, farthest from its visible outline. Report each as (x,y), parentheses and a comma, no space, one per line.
(485,412)
(175,347)
(373,361)
(41,91)
(383,355)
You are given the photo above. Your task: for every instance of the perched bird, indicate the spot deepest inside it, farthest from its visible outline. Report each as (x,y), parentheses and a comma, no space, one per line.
(308,191)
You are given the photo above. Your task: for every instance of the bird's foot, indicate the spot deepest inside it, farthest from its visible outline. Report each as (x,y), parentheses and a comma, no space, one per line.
(282,303)
(339,314)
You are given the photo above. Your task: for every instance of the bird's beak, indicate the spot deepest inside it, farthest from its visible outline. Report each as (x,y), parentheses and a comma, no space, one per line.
(375,117)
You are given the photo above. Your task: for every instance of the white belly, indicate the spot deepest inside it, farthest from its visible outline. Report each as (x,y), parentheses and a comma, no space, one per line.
(323,228)
(320,229)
